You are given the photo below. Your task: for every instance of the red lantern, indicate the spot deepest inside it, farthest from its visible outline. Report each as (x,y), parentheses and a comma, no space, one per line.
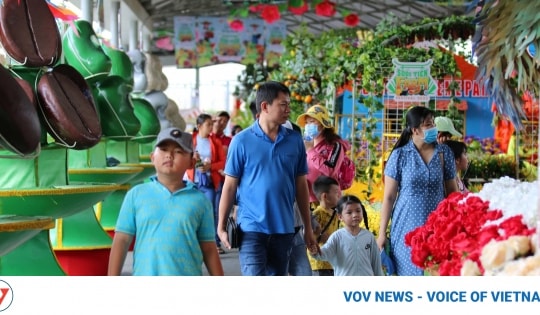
(351,20)
(325,8)
(270,13)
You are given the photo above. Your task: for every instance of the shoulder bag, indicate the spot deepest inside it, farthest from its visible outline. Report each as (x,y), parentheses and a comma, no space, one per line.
(233,233)
(326,226)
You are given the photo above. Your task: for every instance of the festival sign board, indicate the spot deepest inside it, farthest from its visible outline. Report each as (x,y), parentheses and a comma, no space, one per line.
(275,35)
(204,41)
(412,82)
(185,41)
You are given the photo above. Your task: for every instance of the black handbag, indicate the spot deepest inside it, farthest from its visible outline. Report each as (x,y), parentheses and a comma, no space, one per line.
(233,233)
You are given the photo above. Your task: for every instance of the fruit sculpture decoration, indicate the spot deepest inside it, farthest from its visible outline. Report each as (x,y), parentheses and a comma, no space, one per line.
(111,90)
(47,108)
(29,34)
(123,67)
(156,83)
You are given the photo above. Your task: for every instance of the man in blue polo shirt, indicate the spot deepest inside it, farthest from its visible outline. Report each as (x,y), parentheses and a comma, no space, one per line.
(266,170)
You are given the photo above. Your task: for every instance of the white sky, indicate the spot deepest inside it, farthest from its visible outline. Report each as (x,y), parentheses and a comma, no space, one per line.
(216,85)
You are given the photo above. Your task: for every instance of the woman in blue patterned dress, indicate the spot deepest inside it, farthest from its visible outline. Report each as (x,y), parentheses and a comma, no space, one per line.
(414,185)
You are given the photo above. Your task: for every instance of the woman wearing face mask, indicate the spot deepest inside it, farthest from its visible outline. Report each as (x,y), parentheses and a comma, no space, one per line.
(323,156)
(415,182)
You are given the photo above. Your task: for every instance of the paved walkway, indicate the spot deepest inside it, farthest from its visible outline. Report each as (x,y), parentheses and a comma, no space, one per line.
(229,260)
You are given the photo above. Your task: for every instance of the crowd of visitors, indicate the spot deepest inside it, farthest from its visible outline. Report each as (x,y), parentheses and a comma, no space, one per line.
(282,183)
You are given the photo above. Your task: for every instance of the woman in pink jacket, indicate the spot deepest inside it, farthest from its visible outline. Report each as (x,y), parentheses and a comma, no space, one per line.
(325,148)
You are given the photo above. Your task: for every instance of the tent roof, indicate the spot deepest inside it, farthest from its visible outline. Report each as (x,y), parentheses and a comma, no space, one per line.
(159,14)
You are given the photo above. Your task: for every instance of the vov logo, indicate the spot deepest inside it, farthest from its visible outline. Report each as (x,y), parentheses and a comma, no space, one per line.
(6,295)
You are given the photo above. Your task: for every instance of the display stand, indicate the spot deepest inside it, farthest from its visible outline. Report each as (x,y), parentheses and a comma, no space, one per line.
(15,230)
(41,189)
(79,241)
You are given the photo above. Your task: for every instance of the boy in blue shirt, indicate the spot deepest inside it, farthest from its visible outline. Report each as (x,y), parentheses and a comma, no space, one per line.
(172,220)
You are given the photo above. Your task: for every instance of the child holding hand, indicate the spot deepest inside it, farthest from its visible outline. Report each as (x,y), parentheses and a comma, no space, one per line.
(351,250)
(326,221)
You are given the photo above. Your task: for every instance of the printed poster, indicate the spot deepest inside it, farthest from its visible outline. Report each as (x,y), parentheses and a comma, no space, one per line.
(254,41)
(275,35)
(412,82)
(185,41)
(205,41)
(242,47)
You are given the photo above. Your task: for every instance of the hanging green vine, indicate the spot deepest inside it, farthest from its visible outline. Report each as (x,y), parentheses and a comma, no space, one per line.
(315,66)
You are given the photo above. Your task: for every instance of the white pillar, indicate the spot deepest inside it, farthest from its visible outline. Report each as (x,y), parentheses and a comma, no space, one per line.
(114,22)
(87,10)
(147,42)
(133,35)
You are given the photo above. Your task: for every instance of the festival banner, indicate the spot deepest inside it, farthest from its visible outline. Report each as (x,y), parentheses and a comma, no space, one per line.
(275,35)
(254,41)
(185,39)
(206,29)
(412,81)
(205,41)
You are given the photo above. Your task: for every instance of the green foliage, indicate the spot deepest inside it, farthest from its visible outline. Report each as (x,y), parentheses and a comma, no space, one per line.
(314,67)
(244,118)
(250,76)
(487,161)
(486,166)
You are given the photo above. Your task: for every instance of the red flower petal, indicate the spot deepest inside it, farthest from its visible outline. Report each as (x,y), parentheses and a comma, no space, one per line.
(514,226)
(236,25)
(270,13)
(351,20)
(325,8)
(256,8)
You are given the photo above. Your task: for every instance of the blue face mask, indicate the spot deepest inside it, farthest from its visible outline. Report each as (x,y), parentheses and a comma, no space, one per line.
(430,135)
(311,131)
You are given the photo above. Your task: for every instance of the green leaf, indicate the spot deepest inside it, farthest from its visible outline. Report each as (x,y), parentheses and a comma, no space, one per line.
(243,12)
(233,13)
(344,12)
(296,3)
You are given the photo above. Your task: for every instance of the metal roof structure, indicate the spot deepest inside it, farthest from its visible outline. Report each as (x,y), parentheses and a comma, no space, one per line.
(157,15)
(370,12)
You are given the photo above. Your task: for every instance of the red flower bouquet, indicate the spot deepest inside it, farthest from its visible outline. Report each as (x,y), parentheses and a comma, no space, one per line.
(457,230)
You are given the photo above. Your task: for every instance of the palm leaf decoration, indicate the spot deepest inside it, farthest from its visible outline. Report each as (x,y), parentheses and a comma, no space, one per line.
(505,28)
